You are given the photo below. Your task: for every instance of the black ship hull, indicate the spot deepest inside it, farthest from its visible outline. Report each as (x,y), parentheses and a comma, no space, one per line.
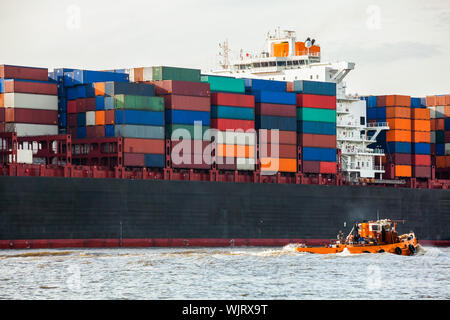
(38,208)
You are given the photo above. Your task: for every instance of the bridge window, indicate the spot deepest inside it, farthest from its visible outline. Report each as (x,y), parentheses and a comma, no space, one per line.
(281,63)
(302,62)
(289,63)
(265,64)
(295,62)
(272,63)
(257,65)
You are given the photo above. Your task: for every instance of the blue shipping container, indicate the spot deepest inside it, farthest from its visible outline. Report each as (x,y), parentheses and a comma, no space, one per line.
(225,112)
(319,154)
(139,117)
(381,113)
(371,113)
(265,85)
(315,127)
(99,103)
(109,130)
(87,76)
(272,122)
(421,148)
(398,147)
(275,97)
(315,87)
(447,123)
(81,119)
(81,133)
(155,160)
(187,117)
(440,149)
(135,89)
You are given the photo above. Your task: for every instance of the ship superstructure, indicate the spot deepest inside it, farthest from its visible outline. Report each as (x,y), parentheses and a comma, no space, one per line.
(286,59)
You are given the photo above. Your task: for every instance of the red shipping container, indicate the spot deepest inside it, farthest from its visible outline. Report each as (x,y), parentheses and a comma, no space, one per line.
(2,115)
(433,148)
(398,101)
(224,124)
(2,127)
(72,106)
(193,162)
(152,146)
(328,167)
(311,166)
(232,100)
(317,140)
(447,136)
(133,159)
(447,99)
(400,158)
(316,101)
(26,73)
(89,104)
(284,137)
(381,101)
(288,151)
(430,101)
(187,103)
(109,116)
(31,87)
(278,110)
(95,131)
(422,172)
(32,116)
(194,145)
(289,86)
(81,105)
(227,164)
(185,88)
(72,120)
(440,100)
(421,160)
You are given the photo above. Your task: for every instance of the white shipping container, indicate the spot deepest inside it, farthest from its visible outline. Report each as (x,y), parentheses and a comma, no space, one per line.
(236,138)
(26,129)
(23,156)
(447,149)
(148,74)
(245,163)
(90,118)
(433,137)
(31,101)
(440,112)
(432,112)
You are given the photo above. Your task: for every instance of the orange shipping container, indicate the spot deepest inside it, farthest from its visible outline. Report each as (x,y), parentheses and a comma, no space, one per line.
(421,125)
(399,124)
(440,161)
(236,151)
(99,88)
(2,100)
(420,137)
(100,118)
(447,100)
(447,111)
(402,171)
(447,161)
(398,101)
(440,124)
(398,136)
(440,100)
(433,125)
(420,114)
(431,101)
(138,74)
(282,165)
(398,112)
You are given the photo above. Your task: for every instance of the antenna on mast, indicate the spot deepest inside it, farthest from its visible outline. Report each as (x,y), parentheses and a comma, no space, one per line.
(225,63)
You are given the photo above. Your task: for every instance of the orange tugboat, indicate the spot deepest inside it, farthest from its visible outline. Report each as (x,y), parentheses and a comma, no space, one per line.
(370,237)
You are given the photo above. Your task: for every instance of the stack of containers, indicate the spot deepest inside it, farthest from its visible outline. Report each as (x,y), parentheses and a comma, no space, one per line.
(420,139)
(439,107)
(30,101)
(397,141)
(316,125)
(187,114)
(58,76)
(233,121)
(275,110)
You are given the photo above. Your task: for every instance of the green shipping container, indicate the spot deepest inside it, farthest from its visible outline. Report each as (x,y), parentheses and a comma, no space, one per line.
(122,101)
(440,136)
(172,127)
(315,114)
(173,73)
(225,84)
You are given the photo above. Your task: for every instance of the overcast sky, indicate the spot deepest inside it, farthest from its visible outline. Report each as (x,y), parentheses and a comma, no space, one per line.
(398,46)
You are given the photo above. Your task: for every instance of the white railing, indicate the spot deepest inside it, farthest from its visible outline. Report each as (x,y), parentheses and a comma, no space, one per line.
(377,124)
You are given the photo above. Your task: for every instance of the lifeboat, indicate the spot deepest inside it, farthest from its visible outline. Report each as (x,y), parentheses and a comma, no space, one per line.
(370,237)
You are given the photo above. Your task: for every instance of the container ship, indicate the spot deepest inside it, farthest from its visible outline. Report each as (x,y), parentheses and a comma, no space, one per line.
(266,150)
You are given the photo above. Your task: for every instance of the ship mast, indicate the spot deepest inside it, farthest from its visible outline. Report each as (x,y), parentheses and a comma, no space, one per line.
(225,63)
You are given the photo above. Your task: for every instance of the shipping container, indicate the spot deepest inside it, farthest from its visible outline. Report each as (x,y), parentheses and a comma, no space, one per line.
(138,131)
(317,140)
(421,125)
(232,99)
(122,101)
(278,150)
(313,114)
(27,86)
(278,165)
(175,131)
(316,101)
(187,117)
(328,167)
(421,160)
(236,151)
(100,118)
(32,116)
(227,112)
(224,84)
(280,137)
(237,138)
(311,166)
(134,89)
(315,87)
(319,154)
(399,158)
(224,124)
(192,103)
(25,129)
(421,171)
(190,146)
(271,122)
(420,114)
(139,117)
(95,132)
(315,127)
(78,77)
(265,85)
(398,101)
(90,118)
(398,136)
(184,88)
(399,124)
(175,73)
(20,72)
(275,97)
(277,110)
(398,147)
(30,101)
(421,148)
(419,136)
